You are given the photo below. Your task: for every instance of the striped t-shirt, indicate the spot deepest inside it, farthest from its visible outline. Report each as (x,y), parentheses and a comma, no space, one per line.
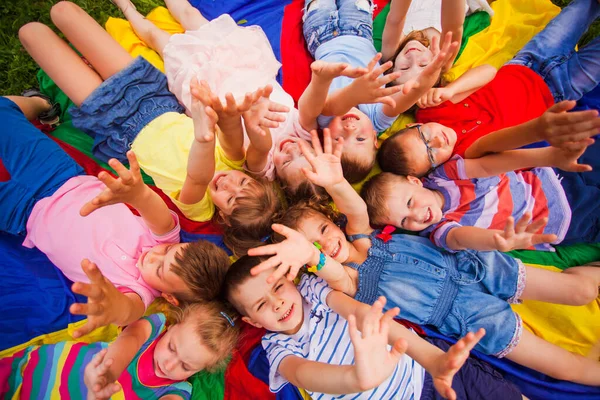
(324,337)
(488,202)
(55,371)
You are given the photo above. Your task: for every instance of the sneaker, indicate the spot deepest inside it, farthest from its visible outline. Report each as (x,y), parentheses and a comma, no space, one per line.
(49,117)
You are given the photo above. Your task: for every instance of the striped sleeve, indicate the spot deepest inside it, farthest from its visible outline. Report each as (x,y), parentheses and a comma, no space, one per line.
(314,289)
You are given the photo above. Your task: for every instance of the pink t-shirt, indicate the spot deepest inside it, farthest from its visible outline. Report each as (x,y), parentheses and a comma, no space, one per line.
(111,236)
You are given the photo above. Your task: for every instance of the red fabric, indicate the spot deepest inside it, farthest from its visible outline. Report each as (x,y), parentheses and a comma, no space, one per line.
(515,95)
(295,58)
(239,382)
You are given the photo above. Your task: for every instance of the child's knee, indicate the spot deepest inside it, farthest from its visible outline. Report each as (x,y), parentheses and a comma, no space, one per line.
(63,10)
(587,292)
(31,32)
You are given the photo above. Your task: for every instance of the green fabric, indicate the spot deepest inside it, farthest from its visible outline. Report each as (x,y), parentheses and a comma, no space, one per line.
(66,131)
(474,23)
(207,386)
(564,257)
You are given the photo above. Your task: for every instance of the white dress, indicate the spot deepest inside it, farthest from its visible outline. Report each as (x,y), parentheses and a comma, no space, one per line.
(423,14)
(229,57)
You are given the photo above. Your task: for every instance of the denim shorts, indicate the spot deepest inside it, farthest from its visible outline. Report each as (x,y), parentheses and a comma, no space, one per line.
(36,164)
(476,379)
(328,19)
(122,106)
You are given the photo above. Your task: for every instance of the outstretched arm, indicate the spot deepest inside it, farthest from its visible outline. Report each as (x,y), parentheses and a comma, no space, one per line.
(453,19)
(442,366)
(557,126)
(373,362)
(327,173)
(394,25)
(106,304)
(130,188)
(106,367)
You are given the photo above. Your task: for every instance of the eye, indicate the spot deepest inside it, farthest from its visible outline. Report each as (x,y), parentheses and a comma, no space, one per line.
(404,69)
(185,368)
(278,287)
(171,348)
(260,306)
(230,200)
(158,269)
(360,139)
(323,229)
(403,222)
(409,203)
(244,180)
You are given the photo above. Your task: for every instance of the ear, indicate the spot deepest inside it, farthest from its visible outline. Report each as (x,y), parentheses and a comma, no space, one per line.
(375,139)
(223,218)
(170,298)
(412,124)
(250,321)
(413,180)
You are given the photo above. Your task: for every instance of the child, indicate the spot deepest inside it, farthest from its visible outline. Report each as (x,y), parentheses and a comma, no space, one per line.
(517,105)
(72,217)
(456,293)
(354,105)
(178,152)
(473,203)
(147,360)
(314,344)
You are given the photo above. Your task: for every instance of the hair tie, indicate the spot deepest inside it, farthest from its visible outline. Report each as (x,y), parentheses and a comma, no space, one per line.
(228,318)
(265,238)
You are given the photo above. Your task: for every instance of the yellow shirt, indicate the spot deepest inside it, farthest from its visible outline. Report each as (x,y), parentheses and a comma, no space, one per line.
(162,149)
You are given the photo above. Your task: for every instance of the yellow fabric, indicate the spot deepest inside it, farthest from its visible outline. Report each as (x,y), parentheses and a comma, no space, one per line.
(573,328)
(162,149)
(123,33)
(514,23)
(104,334)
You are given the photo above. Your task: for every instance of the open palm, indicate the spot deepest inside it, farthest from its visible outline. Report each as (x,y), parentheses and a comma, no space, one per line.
(325,162)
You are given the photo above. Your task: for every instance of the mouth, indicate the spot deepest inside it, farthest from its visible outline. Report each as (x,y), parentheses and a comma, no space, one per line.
(142,258)
(351,117)
(287,315)
(158,370)
(446,138)
(336,250)
(284,142)
(412,49)
(217,179)
(428,216)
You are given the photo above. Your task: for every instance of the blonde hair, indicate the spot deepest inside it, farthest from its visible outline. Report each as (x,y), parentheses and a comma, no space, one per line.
(251,217)
(215,330)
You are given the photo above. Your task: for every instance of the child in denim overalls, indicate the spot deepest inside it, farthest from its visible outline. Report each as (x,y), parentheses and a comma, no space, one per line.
(456,293)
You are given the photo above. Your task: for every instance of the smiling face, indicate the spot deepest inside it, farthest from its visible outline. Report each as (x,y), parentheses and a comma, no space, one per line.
(410,206)
(440,139)
(180,352)
(318,228)
(289,160)
(277,306)
(225,187)
(411,61)
(360,137)
(155,268)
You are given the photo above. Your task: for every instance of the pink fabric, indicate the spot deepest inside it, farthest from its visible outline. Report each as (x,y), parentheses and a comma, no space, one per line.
(111,236)
(229,57)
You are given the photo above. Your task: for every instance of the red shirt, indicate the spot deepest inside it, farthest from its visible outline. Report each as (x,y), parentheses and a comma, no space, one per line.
(516,95)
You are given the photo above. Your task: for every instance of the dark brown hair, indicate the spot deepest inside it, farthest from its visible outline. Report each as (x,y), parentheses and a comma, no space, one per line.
(305,190)
(238,273)
(202,266)
(391,157)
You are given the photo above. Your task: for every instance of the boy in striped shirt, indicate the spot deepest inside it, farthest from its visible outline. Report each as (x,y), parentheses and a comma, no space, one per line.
(313,343)
(473,203)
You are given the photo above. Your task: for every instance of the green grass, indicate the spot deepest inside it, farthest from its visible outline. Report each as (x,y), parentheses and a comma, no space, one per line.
(17,69)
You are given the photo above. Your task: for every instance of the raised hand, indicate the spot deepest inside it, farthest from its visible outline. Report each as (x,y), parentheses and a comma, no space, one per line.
(127,188)
(522,235)
(451,361)
(329,71)
(373,362)
(288,256)
(326,162)
(559,127)
(105,302)
(566,157)
(205,118)
(370,87)
(263,113)
(430,75)
(96,378)
(435,96)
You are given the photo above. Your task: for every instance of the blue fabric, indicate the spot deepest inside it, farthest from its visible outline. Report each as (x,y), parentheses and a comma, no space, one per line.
(455,292)
(34,294)
(122,106)
(268,14)
(583,194)
(476,379)
(258,365)
(533,384)
(187,237)
(37,165)
(551,53)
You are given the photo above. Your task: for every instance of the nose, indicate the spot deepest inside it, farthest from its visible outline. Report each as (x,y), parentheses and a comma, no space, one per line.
(436,142)
(169,364)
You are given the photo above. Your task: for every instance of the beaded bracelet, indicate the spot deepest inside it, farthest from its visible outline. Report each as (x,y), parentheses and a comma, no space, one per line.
(322,260)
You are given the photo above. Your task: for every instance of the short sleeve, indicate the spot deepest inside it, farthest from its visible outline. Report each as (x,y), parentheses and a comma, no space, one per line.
(451,170)
(201,211)
(173,235)
(222,163)
(375,112)
(439,235)
(314,289)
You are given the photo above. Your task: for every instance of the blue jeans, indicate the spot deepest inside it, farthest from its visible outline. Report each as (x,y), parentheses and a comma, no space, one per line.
(36,164)
(551,53)
(327,19)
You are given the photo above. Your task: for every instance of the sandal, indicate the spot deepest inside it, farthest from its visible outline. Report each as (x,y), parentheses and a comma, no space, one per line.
(49,117)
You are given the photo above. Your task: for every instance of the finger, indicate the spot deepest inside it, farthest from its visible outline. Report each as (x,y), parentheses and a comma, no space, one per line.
(109,181)
(339,147)
(563,106)
(92,272)
(574,146)
(385,79)
(92,309)
(121,170)
(543,238)
(352,330)
(509,229)
(373,62)
(316,143)
(276,107)
(472,339)
(389,101)
(387,318)
(87,290)
(103,368)
(267,90)
(500,242)
(523,222)
(293,272)
(212,117)
(354,72)
(230,104)
(88,208)
(108,391)
(398,349)
(536,225)
(271,263)
(569,118)
(84,330)
(327,146)
(383,67)
(98,358)
(305,149)
(134,166)
(265,123)
(310,175)
(274,116)
(267,250)
(435,45)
